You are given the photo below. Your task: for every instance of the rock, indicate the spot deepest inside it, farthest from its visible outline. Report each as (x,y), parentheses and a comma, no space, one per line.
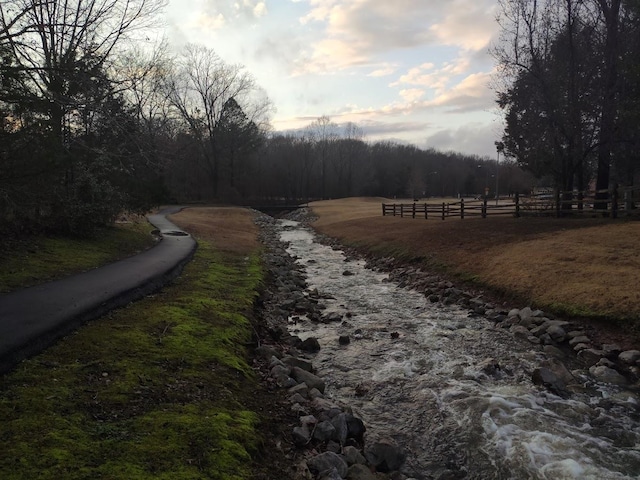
(519,331)
(360,472)
(553,351)
(332,475)
(326,462)
(308,420)
(301,435)
(385,457)
(332,318)
(513,313)
(607,375)
(298,362)
(311,345)
(344,340)
(525,313)
(611,350)
(324,431)
(353,456)
(266,352)
(300,389)
(546,378)
(557,333)
(629,357)
(297,398)
(280,370)
(355,428)
(333,446)
(347,273)
(489,366)
(590,356)
(312,381)
(342,430)
(559,369)
(605,362)
(581,346)
(579,339)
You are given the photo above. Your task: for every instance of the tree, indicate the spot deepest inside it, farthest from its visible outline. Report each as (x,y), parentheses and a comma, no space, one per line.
(201,90)
(57,56)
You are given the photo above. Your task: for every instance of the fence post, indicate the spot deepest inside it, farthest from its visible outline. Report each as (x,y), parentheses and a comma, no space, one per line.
(402,210)
(413,213)
(614,201)
(383,210)
(517,205)
(443,207)
(394,209)
(462,208)
(425,211)
(558,202)
(484,207)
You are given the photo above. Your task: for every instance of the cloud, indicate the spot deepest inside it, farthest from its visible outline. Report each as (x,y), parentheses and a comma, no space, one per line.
(471,94)
(472,138)
(411,94)
(357,32)
(383,71)
(470,25)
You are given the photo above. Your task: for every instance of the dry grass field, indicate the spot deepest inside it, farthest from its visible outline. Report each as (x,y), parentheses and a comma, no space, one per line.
(582,267)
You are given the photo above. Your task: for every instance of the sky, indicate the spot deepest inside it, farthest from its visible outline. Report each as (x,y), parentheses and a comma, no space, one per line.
(411,71)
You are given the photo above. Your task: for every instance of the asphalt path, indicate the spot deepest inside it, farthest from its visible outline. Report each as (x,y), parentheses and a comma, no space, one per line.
(34,318)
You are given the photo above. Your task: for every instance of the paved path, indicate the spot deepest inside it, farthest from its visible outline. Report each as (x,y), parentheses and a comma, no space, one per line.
(34,318)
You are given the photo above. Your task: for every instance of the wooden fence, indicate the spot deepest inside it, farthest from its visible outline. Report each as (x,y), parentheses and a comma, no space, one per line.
(615,202)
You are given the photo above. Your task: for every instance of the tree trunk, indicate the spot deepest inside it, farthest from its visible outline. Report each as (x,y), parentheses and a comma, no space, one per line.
(609,105)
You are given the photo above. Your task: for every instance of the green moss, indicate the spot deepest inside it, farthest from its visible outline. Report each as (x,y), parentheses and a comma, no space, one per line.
(153,391)
(41,259)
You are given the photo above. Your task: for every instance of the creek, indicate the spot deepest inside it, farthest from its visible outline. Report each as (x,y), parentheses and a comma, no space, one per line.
(415,372)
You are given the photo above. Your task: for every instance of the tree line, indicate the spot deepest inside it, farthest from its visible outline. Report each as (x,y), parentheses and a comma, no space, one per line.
(96,120)
(570,90)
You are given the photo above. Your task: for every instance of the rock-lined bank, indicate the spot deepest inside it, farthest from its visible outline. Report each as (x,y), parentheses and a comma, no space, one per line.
(330,439)
(562,372)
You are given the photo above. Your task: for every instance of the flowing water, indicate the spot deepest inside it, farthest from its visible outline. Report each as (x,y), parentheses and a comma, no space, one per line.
(414,373)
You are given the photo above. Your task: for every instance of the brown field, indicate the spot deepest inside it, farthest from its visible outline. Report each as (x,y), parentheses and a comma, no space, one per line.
(228,229)
(582,267)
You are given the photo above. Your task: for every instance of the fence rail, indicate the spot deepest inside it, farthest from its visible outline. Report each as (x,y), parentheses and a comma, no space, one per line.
(551,203)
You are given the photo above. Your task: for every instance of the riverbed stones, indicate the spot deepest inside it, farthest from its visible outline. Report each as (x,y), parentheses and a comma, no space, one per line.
(311,380)
(310,345)
(629,357)
(590,356)
(298,362)
(607,375)
(545,377)
(385,456)
(326,462)
(285,298)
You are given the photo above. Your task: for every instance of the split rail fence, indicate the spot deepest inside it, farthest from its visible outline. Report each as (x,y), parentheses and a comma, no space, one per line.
(615,202)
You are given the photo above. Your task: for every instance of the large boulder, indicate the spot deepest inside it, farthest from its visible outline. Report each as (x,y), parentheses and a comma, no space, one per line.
(312,381)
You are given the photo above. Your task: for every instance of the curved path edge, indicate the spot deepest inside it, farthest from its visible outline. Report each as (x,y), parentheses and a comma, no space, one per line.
(34,318)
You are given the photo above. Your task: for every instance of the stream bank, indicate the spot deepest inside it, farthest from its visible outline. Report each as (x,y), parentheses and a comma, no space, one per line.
(476,366)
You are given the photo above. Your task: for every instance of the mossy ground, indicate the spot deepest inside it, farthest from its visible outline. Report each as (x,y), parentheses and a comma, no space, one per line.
(37,259)
(152,391)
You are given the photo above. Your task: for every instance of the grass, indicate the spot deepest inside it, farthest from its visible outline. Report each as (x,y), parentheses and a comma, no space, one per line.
(584,267)
(159,390)
(40,259)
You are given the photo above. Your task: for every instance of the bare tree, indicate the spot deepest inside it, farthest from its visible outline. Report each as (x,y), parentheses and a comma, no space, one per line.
(201,87)
(56,43)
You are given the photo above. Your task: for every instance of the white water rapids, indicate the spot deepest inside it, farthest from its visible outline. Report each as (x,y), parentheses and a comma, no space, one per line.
(423,387)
